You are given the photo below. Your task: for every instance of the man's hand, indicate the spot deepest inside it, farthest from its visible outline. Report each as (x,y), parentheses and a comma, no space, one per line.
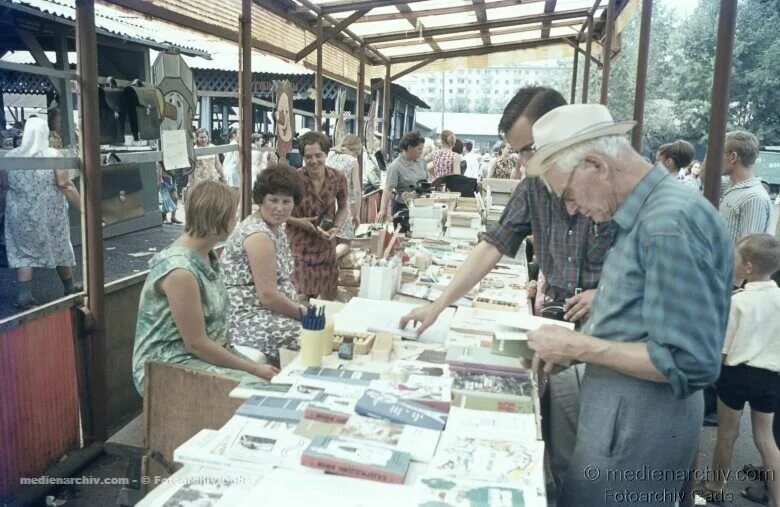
(264,371)
(578,307)
(554,345)
(308,226)
(425,315)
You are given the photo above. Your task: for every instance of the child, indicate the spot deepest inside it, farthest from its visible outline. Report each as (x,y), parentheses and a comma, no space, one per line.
(167,195)
(751,360)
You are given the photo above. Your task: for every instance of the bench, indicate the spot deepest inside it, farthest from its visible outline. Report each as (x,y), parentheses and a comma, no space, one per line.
(128,443)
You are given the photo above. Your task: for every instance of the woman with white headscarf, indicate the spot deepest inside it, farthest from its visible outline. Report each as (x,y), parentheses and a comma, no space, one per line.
(37,230)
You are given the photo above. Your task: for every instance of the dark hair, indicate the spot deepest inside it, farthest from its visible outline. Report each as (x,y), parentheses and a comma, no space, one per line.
(411,140)
(762,250)
(681,152)
(278,178)
(533,102)
(458,147)
(313,137)
(469,146)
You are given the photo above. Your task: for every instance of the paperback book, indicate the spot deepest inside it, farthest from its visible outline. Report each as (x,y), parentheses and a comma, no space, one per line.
(481,360)
(483,391)
(274,409)
(434,392)
(340,375)
(391,408)
(330,409)
(435,491)
(357,459)
(420,443)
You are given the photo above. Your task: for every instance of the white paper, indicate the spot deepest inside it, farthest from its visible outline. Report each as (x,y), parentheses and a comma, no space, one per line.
(361,314)
(174,148)
(525,323)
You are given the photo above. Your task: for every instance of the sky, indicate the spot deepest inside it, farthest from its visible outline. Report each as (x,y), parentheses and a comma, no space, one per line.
(684,7)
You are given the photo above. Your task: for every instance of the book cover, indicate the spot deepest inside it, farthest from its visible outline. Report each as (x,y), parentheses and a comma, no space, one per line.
(340,375)
(254,441)
(357,459)
(391,408)
(444,492)
(310,428)
(274,409)
(249,388)
(330,409)
(488,460)
(483,391)
(420,443)
(475,321)
(481,360)
(207,448)
(434,392)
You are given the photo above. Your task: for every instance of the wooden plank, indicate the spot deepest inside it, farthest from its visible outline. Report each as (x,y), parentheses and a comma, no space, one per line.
(179,402)
(331,33)
(422,13)
(481,50)
(549,6)
(351,5)
(480,11)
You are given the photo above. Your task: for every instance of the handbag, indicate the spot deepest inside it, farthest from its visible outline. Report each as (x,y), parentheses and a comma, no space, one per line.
(145,109)
(111,112)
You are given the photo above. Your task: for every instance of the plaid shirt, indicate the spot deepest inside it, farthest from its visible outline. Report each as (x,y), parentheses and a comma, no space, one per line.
(570,249)
(667,281)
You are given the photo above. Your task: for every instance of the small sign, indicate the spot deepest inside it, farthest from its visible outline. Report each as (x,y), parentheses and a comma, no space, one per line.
(175,149)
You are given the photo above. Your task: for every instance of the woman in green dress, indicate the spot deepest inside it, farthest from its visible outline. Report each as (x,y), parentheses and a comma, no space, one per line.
(183,313)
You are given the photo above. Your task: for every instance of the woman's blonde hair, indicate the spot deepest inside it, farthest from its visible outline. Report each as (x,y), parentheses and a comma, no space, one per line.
(350,145)
(209,209)
(447,138)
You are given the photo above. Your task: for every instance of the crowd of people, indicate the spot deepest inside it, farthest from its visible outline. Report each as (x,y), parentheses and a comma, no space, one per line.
(671,297)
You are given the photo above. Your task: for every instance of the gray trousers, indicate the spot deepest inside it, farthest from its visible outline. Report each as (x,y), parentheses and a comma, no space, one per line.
(635,442)
(563,413)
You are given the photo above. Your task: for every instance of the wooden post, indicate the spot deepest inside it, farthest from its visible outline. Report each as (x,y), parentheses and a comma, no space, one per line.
(606,57)
(361,108)
(318,79)
(719,100)
(245,107)
(386,114)
(86,52)
(641,73)
(586,69)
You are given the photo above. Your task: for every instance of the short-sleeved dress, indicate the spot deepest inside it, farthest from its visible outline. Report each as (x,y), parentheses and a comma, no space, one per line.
(503,168)
(157,338)
(37,229)
(251,324)
(346,164)
(316,268)
(205,169)
(442,163)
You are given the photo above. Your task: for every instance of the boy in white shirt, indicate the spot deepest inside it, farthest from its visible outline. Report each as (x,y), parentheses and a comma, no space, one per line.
(751,360)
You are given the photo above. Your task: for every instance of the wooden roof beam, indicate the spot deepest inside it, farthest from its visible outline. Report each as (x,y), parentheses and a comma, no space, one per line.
(446,10)
(330,19)
(481,50)
(469,27)
(479,10)
(331,33)
(591,13)
(549,6)
(352,5)
(573,24)
(582,52)
(403,73)
(412,18)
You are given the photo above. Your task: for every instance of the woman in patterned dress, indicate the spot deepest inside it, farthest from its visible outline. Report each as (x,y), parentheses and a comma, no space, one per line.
(183,312)
(257,267)
(503,167)
(445,161)
(207,167)
(317,220)
(37,229)
(344,158)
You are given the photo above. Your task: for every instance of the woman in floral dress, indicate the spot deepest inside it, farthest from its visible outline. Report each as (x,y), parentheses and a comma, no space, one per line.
(344,158)
(317,220)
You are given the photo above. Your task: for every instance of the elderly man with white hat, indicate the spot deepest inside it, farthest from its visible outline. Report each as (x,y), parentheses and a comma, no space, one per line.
(657,324)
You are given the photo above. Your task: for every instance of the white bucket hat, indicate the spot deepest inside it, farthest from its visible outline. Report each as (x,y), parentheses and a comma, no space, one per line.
(566,126)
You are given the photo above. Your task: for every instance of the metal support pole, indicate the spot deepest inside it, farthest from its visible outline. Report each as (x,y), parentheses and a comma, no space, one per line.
(606,57)
(386,113)
(719,100)
(225,122)
(361,108)
(586,69)
(245,107)
(641,73)
(86,51)
(318,80)
(574,76)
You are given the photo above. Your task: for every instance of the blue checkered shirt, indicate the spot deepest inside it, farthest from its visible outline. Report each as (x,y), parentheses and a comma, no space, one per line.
(570,249)
(667,281)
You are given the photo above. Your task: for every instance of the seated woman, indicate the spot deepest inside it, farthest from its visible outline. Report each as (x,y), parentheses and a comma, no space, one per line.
(257,266)
(316,221)
(183,313)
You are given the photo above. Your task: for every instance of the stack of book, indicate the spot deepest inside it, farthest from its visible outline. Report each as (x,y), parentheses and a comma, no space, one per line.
(496,193)
(464,225)
(426,218)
